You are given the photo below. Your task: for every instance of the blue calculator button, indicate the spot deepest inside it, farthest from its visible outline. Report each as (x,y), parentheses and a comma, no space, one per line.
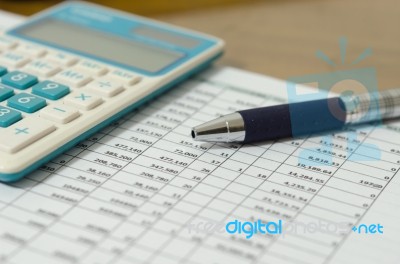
(5,92)
(3,70)
(19,80)
(26,102)
(50,90)
(8,116)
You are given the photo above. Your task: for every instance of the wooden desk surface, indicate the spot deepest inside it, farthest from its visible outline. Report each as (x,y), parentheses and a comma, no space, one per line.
(280,37)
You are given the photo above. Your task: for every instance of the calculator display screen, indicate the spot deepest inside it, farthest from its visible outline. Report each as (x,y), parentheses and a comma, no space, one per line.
(152,33)
(100,44)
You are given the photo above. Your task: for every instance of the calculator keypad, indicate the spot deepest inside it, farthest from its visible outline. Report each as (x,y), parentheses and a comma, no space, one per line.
(23,133)
(41,91)
(13,59)
(73,78)
(105,87)
(31,50)
(59,113)
(82,100)
(62,58)
(6,43)
(50,90)
(5,92)
(42,68)
(91,67)
(19,80)
(8,116)
(3,70)
(27,103)
(124,77)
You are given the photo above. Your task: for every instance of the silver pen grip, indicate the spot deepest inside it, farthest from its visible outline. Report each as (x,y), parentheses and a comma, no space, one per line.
(372,106)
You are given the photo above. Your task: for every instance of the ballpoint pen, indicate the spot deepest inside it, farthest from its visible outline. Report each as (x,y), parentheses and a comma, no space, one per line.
(300,118)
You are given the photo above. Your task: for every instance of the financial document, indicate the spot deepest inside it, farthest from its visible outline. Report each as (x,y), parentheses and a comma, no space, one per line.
(142,191)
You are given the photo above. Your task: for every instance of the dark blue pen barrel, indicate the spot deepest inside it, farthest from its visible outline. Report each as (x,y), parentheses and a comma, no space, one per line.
(292,120)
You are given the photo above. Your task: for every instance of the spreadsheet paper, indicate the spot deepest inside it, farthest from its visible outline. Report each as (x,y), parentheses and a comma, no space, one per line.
(142,191)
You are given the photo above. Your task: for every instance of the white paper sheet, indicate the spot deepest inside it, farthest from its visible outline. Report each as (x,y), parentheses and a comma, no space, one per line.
(141,191)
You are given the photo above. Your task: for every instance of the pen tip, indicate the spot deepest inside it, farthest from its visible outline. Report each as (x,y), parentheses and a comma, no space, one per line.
(193,134)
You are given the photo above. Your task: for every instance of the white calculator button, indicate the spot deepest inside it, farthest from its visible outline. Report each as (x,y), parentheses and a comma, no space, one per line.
(31,50)
(13,59)
(73,78)
(42,68)
(62,58)
(124,77)
(82,100)
(105,87)
(59,113)
(24,133)
(91,67)
(6,43)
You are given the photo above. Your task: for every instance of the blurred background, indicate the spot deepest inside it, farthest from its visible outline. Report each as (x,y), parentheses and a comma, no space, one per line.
(279,37)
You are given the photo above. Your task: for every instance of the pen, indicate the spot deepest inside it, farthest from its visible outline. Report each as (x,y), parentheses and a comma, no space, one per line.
(300,118)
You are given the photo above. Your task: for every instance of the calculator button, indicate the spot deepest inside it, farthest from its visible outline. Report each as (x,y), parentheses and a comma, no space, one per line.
(26,102)
(6,43)
(42,68)
(5,92)
(104,87)
(73,78)
(8,116)
(50,90)
(19,80)
(24,133)
(82,100)
(91,67)
(59,113)
(3,70)
(31,50)
(13,59)
(62,58)
(124,77)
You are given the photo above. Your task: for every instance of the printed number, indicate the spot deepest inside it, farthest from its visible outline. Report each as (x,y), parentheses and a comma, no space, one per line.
(18,77)
(25,100)
(4,111)
(50,86)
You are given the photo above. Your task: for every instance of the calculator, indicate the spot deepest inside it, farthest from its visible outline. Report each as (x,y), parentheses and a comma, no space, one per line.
(72,70)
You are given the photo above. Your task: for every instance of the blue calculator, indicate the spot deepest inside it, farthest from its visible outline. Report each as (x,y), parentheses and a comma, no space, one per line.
(73,69)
